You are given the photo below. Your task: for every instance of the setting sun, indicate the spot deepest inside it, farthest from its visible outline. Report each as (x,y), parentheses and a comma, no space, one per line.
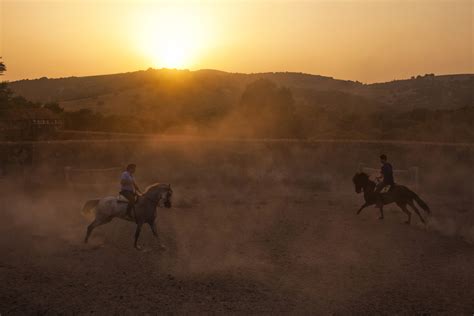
(170,38)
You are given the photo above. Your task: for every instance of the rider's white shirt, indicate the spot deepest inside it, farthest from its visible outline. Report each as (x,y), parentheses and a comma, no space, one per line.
(129,178)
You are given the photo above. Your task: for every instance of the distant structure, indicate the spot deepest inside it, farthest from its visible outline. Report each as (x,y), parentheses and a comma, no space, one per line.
(21,124)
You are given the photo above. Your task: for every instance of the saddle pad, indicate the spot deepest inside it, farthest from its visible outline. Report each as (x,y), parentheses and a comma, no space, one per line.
(122,199)
(386,189)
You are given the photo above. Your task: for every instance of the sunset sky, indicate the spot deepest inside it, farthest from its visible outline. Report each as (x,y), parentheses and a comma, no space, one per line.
(369,41)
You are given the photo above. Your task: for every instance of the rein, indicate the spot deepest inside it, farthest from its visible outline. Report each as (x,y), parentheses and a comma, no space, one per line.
(148,198)
(154,201)
(371,186)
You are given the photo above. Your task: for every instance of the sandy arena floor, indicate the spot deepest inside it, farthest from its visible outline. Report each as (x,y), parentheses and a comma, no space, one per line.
(229,251)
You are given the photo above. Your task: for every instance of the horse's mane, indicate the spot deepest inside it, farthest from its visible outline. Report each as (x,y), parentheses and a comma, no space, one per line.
(359,175)
(157,185)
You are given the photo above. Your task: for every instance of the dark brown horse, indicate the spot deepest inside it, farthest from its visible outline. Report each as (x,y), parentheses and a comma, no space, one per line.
(398,194)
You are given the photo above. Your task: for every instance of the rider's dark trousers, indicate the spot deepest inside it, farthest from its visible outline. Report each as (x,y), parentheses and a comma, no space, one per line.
(130,196)
(378,189)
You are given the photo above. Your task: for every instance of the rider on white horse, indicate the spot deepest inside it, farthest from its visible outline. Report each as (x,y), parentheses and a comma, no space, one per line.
(128,187)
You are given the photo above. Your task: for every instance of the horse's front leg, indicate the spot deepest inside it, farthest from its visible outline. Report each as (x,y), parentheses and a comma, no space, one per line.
(137,234)
(362,207)
(381,212)
(153,229)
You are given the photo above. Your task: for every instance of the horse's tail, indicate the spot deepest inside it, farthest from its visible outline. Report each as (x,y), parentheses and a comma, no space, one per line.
(421,203)
(89,206)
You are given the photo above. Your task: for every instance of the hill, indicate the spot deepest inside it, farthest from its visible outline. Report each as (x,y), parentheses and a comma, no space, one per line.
(280,104)
(109,92)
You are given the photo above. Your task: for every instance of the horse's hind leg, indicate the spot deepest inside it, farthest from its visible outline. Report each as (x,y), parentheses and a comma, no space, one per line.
(406,211)
(97,222)
(362,207)
(416,210)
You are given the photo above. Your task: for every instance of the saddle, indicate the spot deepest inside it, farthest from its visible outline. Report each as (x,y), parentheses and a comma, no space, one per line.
(130,207)
(121,199)
(386,188)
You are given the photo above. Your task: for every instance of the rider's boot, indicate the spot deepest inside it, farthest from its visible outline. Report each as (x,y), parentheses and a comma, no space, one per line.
(129,211)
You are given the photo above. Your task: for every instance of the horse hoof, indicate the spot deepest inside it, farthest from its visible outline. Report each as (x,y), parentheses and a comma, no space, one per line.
(138,247)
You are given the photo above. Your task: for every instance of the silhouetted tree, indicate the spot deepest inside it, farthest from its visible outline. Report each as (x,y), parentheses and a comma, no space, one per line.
(54,107)
(2,67)
(8,100)
(269,109)
(5,93)
(264,96)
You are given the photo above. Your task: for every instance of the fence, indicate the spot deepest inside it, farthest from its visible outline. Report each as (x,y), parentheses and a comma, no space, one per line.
(80,178)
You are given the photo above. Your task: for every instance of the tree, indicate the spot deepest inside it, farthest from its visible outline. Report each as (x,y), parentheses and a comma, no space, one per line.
(269,109)
(2,67)
(54,107)
(264,96)
(5,93)
(7,99)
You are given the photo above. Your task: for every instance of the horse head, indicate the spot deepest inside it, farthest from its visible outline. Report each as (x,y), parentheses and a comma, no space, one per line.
(161,193)
(360,181)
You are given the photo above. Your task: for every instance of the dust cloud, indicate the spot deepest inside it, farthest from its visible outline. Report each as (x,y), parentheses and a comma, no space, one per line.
(272,221)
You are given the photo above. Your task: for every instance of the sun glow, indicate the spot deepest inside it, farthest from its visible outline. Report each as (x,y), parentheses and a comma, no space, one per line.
(171,37)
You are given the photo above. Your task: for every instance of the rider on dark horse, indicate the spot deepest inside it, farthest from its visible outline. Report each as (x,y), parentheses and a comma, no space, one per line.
(386,177)
(128,187)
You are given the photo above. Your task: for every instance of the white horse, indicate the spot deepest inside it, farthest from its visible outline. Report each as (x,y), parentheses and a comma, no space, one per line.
(110,207)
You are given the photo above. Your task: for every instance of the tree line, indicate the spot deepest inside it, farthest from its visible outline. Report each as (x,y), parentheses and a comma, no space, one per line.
(263,109)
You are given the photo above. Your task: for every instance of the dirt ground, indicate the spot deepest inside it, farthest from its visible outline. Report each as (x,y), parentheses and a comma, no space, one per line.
(231,250)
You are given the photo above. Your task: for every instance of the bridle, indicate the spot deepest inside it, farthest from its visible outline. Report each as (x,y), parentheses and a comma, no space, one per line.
(153,200)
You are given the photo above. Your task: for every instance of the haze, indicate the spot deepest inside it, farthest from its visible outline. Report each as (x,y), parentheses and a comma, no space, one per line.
(369,41)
